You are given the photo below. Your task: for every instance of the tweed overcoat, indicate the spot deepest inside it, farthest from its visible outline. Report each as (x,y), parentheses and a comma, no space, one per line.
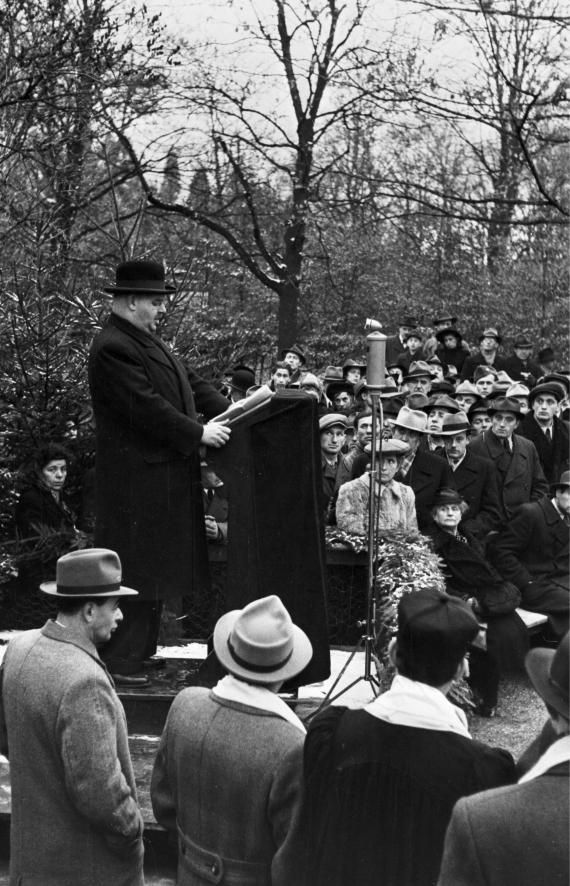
(510,836)
(75,819)
(523,480)
(148,487)
(229,777)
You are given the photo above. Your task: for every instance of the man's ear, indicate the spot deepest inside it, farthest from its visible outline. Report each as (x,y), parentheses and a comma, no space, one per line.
(393,650)
(462,669)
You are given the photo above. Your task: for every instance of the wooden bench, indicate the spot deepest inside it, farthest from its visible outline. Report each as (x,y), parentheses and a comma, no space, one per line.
(533,620)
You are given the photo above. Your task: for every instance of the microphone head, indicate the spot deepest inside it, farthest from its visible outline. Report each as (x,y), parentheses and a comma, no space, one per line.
(372,325)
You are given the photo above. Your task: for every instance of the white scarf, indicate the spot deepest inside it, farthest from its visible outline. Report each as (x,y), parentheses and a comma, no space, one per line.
(232,689)
(410,703)
(558,752)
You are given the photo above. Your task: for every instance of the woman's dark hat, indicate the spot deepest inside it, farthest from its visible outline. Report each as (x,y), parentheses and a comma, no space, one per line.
(449,330)
(140,277)
(548,670)
(446,496)
(481,405)
(260,643)
(93,572)
(335,387)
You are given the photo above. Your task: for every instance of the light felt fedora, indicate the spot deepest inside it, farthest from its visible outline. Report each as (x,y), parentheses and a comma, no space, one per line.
(140,277)
(93,572)
(412,419)
(549,670)
(260,643)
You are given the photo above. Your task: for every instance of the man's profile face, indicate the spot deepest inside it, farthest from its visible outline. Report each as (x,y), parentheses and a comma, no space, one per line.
(545,407)
(106,618)
(562,496)
(332,440)
(147,311)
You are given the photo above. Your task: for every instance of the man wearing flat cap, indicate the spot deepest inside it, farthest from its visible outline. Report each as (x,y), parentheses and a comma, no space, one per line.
(381,781)
(149,496)
(519,473)
(518,835)
(227,776)
(335,469)
(533,552)
(546,430)
(75,819)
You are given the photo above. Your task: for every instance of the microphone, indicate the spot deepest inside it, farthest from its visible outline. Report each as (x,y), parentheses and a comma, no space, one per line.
(376,361)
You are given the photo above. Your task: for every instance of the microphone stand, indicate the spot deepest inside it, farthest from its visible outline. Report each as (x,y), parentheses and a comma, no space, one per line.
(366,641)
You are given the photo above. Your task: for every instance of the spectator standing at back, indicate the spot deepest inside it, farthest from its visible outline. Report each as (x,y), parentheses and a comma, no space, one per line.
(227,776)
(381,782)
(396,344)
(520,365)
(518,835)
(75,819)
(487,355)
(335,472)
(520,475)
(450,348)
(548,432)
(296,359)
(411,352)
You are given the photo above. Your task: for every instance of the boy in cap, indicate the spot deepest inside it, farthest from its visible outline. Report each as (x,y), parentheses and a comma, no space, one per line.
(227,776)
(519,365)
(75,819)
(381,781)
(518,835)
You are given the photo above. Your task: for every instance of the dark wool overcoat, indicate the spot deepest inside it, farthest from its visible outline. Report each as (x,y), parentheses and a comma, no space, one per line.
(521,478)
(149,491)
(553,454)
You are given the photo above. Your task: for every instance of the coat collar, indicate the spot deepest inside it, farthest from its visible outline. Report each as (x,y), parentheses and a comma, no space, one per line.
(54,631)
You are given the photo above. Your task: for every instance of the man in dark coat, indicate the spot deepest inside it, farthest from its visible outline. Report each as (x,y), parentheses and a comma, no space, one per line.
(521,478)
(533,550)
(424,472)
(149,494)
(518,835)
(519,365)
(396,344)
(475,478)
(381,782)
(489,343)
(549,433)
